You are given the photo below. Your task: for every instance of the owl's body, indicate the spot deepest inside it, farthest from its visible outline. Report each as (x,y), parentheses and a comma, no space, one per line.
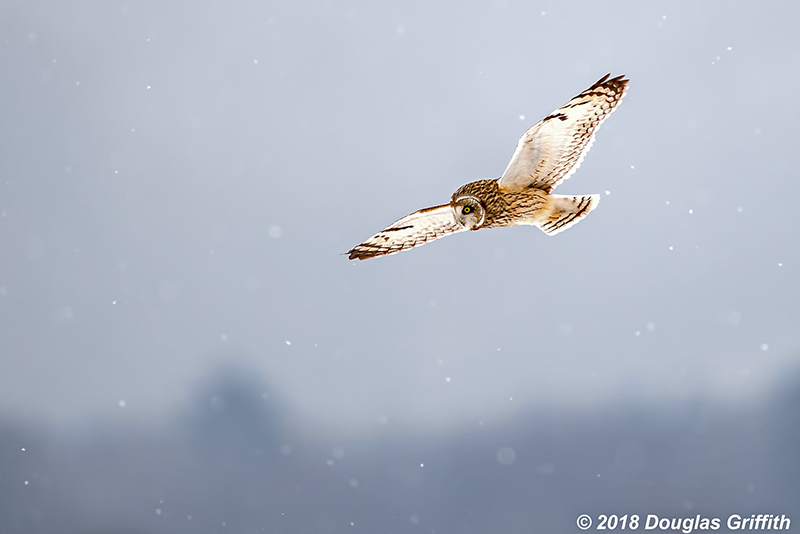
(531,206)
(546,155)
(502,208)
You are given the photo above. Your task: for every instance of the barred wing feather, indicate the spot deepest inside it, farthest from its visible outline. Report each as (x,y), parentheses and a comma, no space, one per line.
(554,147)
(410,231)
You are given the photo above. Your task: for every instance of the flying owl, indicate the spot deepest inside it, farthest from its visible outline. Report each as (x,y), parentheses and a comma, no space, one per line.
(546,155)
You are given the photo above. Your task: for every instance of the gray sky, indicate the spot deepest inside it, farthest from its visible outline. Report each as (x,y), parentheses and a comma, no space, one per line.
(178,182)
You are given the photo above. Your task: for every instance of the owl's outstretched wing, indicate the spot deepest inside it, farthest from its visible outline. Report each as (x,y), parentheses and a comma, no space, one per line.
(554,147)
(410,231)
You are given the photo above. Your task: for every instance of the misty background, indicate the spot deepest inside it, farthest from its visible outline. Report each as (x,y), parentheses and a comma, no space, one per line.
(184,348)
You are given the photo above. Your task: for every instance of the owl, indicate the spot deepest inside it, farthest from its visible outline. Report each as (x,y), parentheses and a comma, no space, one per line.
(546,155)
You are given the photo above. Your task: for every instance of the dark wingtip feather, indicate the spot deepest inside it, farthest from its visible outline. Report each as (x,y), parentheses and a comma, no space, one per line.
(616,80)
(361,254)
(599,82)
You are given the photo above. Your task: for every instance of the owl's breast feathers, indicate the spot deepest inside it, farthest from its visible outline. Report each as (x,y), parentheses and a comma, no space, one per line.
(504,208)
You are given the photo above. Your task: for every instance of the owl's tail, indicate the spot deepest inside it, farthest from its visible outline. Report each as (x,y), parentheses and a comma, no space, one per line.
(561,212)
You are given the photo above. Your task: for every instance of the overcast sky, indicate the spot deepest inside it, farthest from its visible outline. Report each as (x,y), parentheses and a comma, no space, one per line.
(178,182)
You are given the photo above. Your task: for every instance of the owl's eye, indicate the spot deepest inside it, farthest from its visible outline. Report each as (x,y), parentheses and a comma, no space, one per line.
(466,209)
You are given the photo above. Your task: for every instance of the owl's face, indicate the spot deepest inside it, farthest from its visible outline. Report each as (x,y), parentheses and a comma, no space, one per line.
(470,212)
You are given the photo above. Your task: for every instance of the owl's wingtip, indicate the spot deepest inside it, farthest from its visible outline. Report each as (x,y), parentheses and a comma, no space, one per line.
(355,254)
(607,80)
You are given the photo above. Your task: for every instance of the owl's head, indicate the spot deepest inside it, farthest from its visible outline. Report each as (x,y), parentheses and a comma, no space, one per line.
(470,212)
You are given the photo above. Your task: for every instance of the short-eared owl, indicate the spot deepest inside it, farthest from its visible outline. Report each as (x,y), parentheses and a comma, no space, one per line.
(546,155)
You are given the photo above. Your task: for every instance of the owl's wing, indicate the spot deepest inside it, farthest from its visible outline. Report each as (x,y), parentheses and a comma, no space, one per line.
(554,147)
(410,231)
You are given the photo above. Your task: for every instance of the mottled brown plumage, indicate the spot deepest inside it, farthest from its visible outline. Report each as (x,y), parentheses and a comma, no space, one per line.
(503,208)
(546,155)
